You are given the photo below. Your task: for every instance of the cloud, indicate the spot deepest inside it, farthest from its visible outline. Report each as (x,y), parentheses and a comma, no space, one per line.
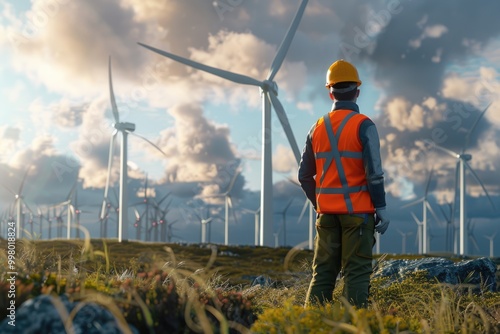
(91,148)
(199,151)
(434,31)
(9,141)
(284,160)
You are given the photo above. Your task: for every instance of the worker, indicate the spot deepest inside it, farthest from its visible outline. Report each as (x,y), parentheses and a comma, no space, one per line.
(341,174)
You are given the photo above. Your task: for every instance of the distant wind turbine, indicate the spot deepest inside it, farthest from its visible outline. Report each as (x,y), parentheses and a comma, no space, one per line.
(470,233)
(283,214)
(404,236)
(462,163)
(256,214)
(228,202)
(311,227)
(18,203)
(308,204)
(420,227)
(125,128)
(69,210)
(269,92)
(426,206)
(491,238)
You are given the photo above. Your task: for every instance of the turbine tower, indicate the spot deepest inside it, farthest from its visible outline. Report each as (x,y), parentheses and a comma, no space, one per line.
(462,163)
(420,227)
(125,128)
(426,206)
(269,91)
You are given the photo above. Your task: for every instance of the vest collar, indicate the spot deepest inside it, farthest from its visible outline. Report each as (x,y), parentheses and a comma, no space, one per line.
(345,105)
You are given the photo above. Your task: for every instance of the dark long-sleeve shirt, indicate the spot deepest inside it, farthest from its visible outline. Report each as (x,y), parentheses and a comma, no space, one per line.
(371,159)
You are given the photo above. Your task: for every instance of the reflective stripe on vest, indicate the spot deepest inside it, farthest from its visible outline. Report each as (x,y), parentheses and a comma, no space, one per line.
(340,183)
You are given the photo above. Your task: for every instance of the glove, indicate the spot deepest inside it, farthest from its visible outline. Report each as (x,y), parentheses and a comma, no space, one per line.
(381,220)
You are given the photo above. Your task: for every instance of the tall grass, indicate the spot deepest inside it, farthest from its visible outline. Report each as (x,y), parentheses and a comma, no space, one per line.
(190,289)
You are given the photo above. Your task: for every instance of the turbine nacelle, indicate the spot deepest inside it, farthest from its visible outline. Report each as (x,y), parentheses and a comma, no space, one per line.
(465,157)
(270,86)
(124,126)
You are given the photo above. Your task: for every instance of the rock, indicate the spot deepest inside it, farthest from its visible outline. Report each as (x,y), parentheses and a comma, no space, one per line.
(478,272)
(262,280)
(39,315)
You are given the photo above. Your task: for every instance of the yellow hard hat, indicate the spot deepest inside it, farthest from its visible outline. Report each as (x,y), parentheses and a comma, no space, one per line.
(341,71)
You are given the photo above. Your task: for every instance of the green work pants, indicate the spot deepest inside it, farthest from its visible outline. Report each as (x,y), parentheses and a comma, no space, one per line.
(342,242)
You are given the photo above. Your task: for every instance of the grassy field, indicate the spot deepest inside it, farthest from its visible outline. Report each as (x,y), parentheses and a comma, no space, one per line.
(207,288)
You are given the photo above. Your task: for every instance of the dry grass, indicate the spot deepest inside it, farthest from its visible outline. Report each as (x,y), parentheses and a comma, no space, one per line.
(207,289)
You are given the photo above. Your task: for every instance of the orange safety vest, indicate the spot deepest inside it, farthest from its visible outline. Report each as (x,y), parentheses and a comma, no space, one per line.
(341,186)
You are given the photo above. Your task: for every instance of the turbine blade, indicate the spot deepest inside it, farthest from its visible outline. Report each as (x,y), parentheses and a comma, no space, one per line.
(114,108)
(6,188)
(447,151)
(428,183)
(444,214)
(415,218)
(438,221)
(137,215)
(72,191)
(27,207)
(413,203)
(481,183)
(474,242)
(280,111)
(467,136)
(233,179)
(149,142)
(110,164)
(238,78)
(23,180)
(304,208)
(285,44)
(293,181)
(163,198)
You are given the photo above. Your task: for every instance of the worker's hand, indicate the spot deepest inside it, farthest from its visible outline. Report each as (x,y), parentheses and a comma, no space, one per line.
(381,220)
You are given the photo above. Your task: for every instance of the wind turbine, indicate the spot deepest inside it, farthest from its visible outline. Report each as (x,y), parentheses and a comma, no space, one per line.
(69,210)
(228,202)
(256,214)
(404,235)
(307,203)
(491,238)
(125,128)
(420,233)
(162,218)
(470,233)
(425,205)
(462,163)
(269,91)
(283,213)
(204,229)
(450,228)
(18,204)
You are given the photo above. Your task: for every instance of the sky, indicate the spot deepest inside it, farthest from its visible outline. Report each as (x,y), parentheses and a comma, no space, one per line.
(426,76)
